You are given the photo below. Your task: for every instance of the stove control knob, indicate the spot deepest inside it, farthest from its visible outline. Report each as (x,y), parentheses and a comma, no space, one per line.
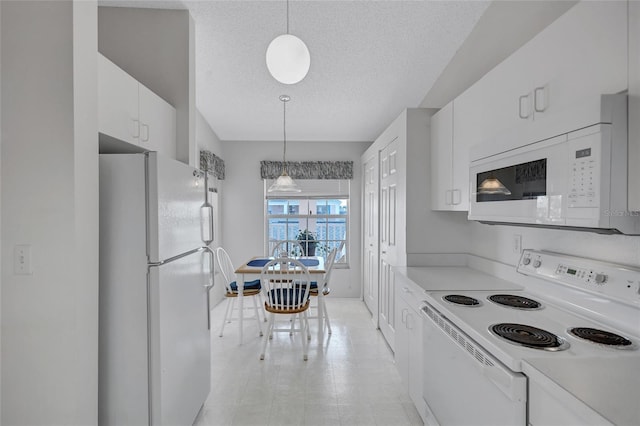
(601,278)
(537,263)
(526,261)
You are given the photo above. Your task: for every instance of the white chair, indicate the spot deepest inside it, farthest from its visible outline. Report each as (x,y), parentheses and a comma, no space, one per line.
(286,283)
(287,248)
(251,289)
(321,290)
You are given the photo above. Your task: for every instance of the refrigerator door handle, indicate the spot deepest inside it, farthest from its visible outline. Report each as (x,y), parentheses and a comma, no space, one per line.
(211,266)
(177,257)
(209,285)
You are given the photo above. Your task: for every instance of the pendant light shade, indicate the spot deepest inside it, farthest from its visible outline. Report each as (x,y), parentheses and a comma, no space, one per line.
(493,186)
(284,183)
(288,58)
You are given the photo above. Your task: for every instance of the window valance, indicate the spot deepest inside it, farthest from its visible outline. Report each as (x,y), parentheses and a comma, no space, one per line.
(212,164)
(308,169)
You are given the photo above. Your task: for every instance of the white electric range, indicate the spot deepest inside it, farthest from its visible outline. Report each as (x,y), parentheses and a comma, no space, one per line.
(563,350)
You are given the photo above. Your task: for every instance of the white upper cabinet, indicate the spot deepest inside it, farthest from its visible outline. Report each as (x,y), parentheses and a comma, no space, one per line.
(634,105)
(449,163)
(130,112)
(581,55)
(117,102)
(157,123)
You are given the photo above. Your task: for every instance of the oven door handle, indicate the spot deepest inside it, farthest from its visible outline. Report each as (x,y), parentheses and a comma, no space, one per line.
(503,380)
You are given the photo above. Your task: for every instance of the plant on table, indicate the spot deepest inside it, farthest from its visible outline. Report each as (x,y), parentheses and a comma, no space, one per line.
(308,241)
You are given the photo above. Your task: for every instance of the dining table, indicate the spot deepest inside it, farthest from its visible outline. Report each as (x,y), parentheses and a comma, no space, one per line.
(252,269)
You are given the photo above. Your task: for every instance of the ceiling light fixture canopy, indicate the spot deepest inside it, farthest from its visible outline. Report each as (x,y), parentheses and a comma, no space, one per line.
(493,185)
(288,58)
(284,183)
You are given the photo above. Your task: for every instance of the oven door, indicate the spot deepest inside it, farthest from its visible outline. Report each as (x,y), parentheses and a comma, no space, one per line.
(463,384)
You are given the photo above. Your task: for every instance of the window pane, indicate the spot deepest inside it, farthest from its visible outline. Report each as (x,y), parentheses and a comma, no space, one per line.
(277,229)
(312,215)
(276,206)
(294,207)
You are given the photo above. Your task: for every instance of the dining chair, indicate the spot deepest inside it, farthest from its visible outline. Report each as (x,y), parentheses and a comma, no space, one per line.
(251,289)
(286,283)
(321,289)
(287,248)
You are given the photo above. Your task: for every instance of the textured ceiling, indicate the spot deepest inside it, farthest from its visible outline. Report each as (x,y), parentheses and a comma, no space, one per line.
(369,60)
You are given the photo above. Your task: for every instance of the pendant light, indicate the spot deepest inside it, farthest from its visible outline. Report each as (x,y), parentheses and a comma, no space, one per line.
(493,185)
(288,58)
(284,183)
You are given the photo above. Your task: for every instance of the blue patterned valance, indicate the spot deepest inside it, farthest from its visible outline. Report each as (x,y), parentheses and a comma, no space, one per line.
(308,169)
(212,164)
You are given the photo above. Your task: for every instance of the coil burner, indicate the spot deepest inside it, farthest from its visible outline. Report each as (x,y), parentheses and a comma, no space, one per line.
(528,336)
(459,299)
(602,337)
(512,301)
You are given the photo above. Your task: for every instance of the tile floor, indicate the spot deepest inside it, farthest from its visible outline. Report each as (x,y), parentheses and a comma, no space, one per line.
(350,379)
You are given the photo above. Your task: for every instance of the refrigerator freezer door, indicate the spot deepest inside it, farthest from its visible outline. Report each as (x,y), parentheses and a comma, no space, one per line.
(174,196)
(179,339)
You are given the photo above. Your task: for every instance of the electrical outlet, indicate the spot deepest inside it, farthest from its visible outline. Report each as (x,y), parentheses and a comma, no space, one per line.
(22,260)
(517,243)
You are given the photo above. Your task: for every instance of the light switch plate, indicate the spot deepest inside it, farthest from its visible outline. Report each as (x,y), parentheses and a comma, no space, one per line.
(517,243)
(22,260)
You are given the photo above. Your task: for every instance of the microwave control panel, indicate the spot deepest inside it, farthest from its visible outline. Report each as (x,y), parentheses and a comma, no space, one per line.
(585,170)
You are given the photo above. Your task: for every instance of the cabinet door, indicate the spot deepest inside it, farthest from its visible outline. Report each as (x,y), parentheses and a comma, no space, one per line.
(117,102)
(370,235)
(634,104)
(578,57)
(490,106)
(401,353)
(441,158)
(415,360)
(389,204)
(157,123)
(389,179)
(387,302)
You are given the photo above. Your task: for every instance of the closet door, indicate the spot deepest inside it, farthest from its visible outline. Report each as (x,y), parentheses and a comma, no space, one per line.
(370,233)
(389,178)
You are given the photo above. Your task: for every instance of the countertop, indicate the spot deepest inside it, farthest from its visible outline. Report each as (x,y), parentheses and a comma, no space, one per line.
(434,278)
(609,385)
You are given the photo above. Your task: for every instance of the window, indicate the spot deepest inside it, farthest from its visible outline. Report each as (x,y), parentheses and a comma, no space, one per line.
(326,217)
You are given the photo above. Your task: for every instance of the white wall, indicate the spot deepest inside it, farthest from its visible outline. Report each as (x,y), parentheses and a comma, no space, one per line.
(157,48)
(1,215)
(206,138)
(243,202)
(49,201)
(496,242)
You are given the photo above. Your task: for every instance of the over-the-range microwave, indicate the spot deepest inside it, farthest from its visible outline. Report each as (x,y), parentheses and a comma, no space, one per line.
(574,179)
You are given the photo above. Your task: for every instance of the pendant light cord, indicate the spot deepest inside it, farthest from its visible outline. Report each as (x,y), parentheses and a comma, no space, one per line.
(284,132)
(287,16)
(284,99)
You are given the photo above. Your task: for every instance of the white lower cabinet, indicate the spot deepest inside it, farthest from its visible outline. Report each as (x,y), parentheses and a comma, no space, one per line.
(128,111)
(408,340)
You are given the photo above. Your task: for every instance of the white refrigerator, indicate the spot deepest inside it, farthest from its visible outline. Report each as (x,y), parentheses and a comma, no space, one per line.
(155,274)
